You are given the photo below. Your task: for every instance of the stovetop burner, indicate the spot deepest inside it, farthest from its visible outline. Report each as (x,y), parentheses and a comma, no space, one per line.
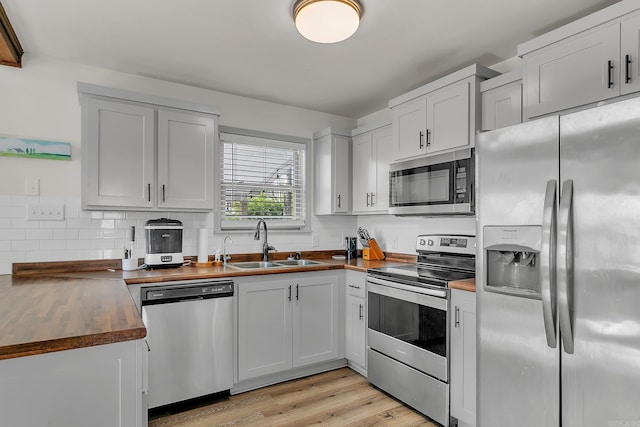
(441,259)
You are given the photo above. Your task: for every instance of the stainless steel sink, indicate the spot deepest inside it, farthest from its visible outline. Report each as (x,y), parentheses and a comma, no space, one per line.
(297,262)
(253,264)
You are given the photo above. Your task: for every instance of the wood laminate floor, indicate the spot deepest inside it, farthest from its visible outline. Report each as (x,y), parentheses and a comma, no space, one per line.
(336,398)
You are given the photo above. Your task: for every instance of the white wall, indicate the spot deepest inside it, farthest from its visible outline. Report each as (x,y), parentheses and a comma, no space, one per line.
(398,234)
(40,101)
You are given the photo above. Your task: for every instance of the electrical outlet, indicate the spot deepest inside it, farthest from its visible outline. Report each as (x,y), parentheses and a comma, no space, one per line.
(394,243)
(45,212)
(315,240)
(32,187)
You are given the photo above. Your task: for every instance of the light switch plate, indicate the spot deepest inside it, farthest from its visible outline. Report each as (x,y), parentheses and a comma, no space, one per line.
(32,187)
(45,212)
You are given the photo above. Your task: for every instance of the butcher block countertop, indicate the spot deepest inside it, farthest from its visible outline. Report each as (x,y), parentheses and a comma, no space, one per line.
(54,306)
(45,314)
(465,285)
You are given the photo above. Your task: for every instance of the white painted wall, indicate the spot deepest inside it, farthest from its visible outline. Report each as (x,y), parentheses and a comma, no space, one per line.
(40,101)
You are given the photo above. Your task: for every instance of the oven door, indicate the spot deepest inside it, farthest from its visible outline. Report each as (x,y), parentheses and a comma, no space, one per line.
(409,324)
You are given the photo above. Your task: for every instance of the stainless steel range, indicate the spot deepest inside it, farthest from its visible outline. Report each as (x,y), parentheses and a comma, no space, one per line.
(408,326)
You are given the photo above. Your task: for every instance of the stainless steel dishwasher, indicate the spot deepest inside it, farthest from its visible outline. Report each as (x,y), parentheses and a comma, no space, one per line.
(190,336)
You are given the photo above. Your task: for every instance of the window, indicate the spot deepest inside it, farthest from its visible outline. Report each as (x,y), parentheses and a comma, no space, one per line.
(262,176)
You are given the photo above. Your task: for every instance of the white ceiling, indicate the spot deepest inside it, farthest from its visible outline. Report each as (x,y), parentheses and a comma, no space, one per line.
(251,47)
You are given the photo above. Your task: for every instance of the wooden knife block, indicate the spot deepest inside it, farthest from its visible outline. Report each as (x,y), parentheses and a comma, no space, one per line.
(373,252)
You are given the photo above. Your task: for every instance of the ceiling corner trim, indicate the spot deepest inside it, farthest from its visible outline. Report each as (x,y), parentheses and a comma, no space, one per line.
(10,49)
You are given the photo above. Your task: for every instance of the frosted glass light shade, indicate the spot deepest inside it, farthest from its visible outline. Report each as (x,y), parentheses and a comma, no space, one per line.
(327,21)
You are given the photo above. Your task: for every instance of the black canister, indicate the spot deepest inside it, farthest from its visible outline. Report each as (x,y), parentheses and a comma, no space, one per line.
(351,248)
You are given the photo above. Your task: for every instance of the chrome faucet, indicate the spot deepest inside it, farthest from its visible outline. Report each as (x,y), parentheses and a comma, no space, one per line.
(225,257)
(265,244)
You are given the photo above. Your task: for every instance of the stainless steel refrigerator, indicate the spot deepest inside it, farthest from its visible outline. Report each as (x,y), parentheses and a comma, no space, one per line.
(558,271)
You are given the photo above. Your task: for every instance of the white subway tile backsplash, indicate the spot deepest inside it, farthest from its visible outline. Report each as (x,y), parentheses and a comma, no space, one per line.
(86,235)
(102,244)
(25,245)
(108,223)
(52,245)
(53,224)
(79,223)
(65,234)
(39,256)
(11,234)
(78,244)
(38,234)
(89,234)
(6,211)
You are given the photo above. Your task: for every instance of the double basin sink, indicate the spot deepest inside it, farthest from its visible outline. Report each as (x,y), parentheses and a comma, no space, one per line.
(249,265)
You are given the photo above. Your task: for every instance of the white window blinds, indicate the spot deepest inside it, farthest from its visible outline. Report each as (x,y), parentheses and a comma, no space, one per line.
(262,178)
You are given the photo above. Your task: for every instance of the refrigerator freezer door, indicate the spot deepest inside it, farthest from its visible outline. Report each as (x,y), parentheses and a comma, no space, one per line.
(600,152)
(518,375)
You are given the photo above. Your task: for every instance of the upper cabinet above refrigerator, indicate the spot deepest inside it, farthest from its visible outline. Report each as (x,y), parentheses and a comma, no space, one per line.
(439,117)
(589,60)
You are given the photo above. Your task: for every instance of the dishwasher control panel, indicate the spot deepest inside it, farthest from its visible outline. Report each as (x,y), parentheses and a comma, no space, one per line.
(185,291)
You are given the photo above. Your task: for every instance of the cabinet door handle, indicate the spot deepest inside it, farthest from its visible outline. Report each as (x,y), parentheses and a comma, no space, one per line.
(354,286)
(149,192)
(609,74)
(428,138)
(420,140)
(289,292)
(361,315)
(338,200)
(372,195)
(368,203)
(163,198)
(457,318)
(297,292)
(627,60)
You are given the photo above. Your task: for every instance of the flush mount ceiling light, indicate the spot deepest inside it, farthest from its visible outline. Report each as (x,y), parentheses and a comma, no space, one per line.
(327,21)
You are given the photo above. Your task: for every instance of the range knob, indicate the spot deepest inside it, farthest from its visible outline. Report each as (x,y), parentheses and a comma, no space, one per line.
(422,242)
(430,242)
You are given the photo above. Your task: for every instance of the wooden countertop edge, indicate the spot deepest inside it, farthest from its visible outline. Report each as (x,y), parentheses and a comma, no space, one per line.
(70,343)
(464,285)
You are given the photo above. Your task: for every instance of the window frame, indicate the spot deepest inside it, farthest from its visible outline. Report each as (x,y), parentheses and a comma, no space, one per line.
(221,226)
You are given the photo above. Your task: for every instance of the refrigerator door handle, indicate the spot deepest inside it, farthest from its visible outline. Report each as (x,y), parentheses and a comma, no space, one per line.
(548,263)
(565,265)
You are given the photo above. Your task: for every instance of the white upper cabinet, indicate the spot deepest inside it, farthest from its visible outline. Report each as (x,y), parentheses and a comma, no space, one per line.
(630,53)
(185,160)
(118,154)
(589,60)
(501,101)
(332,153)
(439,117)
(142,152)
(372,150)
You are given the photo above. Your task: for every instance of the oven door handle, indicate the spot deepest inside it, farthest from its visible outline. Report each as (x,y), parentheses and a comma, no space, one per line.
(423,296)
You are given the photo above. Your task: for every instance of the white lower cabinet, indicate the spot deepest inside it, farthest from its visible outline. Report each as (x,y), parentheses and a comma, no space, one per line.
(463,357)
(287,321)
(356,321)
(100,386)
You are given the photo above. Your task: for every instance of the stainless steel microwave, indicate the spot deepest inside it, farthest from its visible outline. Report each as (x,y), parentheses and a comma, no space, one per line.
(434,185)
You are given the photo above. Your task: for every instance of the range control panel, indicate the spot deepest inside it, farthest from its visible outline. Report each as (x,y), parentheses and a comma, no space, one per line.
(446,243)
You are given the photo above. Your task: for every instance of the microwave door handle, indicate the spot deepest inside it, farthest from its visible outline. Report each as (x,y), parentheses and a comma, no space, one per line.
(548,263)
(565,265)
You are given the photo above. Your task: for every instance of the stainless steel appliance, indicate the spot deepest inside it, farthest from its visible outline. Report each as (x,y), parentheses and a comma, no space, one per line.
(190,336)
(408,323)
(433,185)
(164,243)
(558,280)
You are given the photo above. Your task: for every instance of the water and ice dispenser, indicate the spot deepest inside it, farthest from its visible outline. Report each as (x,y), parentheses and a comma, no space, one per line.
(512,256)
